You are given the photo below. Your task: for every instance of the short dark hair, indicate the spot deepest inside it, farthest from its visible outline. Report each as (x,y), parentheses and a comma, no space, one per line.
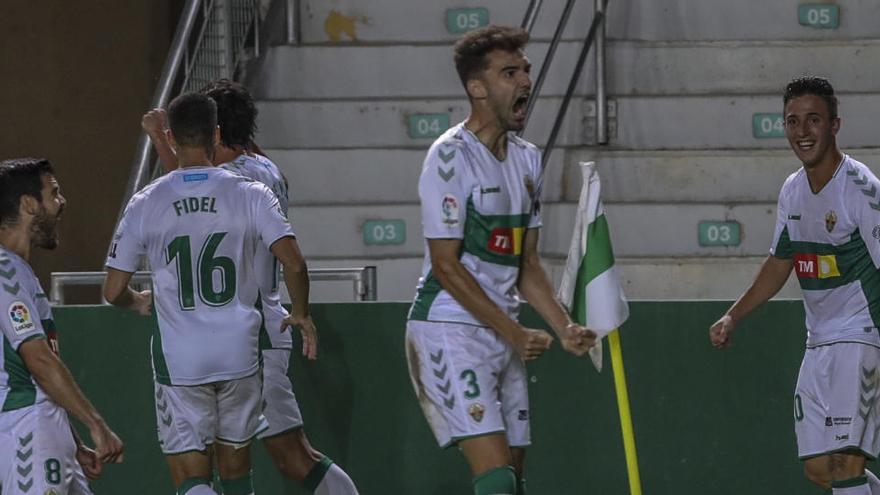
(236,112)
(812,85)
(20,177)
(192,118)
(472,48)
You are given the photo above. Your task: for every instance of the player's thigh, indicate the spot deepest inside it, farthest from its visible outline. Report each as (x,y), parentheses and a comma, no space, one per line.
(186,417)
(279,401)
(239,410)
(836,401)
(41,452)
(514,397)
(455,370)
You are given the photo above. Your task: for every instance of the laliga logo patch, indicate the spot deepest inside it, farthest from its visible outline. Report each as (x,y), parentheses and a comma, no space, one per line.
(20,317)
(449,207)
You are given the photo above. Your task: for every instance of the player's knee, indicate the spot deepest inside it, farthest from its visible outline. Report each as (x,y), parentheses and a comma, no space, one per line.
(500,481)
(818,473)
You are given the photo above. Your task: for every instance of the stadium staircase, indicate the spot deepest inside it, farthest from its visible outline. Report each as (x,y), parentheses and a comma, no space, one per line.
(695,127)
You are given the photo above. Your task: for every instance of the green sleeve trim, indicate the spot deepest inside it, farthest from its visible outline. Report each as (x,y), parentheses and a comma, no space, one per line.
(857,481)
(316,475)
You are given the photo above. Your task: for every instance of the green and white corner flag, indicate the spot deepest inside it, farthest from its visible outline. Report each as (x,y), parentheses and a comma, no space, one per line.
(590,285)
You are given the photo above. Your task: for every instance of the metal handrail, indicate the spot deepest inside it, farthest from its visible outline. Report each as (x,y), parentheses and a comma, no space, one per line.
(293,22)
(598,20)
(364,279)
(531,15)
(548,59)
(185,54)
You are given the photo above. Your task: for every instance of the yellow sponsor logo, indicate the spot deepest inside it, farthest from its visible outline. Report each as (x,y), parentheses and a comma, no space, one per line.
(827,265)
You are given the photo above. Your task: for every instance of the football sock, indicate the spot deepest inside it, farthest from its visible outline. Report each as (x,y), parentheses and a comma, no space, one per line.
(195,486)
(326,478)
(498,481)
(873,482)
(852,486)
(238,486)
(521,486)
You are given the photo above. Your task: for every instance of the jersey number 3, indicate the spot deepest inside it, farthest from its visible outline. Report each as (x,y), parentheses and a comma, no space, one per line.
(179,251)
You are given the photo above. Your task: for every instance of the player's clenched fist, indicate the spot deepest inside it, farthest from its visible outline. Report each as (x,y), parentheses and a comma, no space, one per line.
(108,446)
(577,339)
(719,333)
(153,122)
(531,343)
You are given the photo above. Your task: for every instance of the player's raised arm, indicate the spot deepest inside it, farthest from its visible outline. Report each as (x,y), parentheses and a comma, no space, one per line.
(154,124)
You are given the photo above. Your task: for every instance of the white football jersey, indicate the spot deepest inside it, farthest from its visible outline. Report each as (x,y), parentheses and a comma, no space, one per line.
(267,268)
(466,193)
(28,316)
(833,236)
(201,228)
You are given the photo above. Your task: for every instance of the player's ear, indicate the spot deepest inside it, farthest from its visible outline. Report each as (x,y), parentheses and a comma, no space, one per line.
(171,141)
(476,89)
(28,205)
(835,125)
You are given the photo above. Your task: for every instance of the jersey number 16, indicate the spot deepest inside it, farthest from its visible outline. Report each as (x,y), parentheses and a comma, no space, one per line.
(179,250)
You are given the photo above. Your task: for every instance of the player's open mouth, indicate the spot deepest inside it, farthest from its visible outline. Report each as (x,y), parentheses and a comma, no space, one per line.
(806,145)
(520,106)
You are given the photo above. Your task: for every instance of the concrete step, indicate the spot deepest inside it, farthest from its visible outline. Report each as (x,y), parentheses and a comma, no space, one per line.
(360,177)
(643,230)
(642,278)
(639,123)
(426,20)
(386,123)
(633,68)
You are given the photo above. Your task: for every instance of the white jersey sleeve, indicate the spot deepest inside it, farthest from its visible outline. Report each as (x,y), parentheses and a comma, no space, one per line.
(269,217)
(444,190)
(866,213)
(128,246)
(781,245)
(22,321)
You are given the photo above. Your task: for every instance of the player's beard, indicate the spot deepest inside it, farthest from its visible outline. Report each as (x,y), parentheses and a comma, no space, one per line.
(45,229)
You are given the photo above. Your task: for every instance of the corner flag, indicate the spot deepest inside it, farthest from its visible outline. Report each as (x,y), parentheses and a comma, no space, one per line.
(591,284)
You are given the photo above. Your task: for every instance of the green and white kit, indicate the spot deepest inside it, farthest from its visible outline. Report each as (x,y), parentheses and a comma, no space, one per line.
(833,238)
(37,449)
(470,381)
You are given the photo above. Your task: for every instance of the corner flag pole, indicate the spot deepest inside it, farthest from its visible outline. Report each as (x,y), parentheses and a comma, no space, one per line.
(626,426)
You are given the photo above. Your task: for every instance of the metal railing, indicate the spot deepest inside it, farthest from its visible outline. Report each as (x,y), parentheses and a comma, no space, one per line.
(209,44)
(596,34)
(363,278)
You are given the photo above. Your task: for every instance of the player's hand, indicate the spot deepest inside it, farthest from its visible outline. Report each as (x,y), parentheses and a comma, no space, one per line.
(143,302)
(108,446)
(88,459)
(577,339)
(720,332)
(154,121)
(531,343)
(307,330)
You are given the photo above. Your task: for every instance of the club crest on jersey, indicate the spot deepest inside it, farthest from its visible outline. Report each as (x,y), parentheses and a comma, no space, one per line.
(816,266)
(476,411)
(20,317)
(449,206)
(830,220)
(530,186)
